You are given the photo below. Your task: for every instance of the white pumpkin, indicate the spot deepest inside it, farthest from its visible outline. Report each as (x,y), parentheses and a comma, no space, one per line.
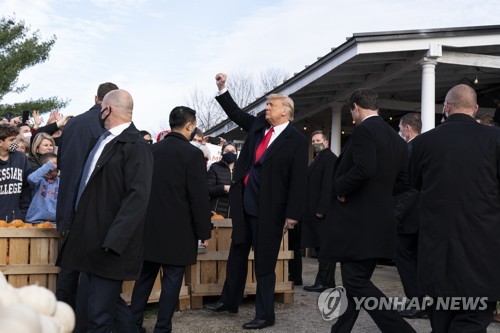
(49,325)
(64,317)
(8,296)
(3,281)
(39,298)
(4,284)
(19,318)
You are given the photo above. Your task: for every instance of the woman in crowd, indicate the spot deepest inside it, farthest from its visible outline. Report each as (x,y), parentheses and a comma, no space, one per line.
(43,143)
(219,177)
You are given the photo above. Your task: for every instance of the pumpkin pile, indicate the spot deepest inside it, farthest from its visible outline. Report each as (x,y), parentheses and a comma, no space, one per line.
(26,225)
(33,309)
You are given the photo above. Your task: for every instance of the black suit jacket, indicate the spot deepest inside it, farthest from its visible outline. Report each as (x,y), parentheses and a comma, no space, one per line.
(407,207)
(112,210)
(367,173)
(78,138)
(317,197)
(282,173)
(179,207)
(456,167)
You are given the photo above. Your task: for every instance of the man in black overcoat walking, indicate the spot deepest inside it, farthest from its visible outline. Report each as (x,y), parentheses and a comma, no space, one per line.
(178,216)
(78,137)
(266,196)
(105,241)
(456,167)
(361,227)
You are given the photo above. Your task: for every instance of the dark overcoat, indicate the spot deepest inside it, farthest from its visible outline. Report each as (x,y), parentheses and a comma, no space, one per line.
(179,209)
(219,174)
(283,172)
(111,211)
(317,197)
(78,137)
(371,168)
(456,167)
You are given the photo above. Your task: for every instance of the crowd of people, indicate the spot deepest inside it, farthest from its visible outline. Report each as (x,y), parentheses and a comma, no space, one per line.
(127,208)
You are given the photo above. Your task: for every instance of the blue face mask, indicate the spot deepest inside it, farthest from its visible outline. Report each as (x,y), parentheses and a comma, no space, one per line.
(229,157)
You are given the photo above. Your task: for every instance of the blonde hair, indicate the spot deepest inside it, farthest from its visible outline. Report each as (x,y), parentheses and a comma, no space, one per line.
(286,101)
(38,140)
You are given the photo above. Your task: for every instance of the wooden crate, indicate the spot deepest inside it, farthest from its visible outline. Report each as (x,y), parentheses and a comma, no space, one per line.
(27,256)
(206,277)
(184,298)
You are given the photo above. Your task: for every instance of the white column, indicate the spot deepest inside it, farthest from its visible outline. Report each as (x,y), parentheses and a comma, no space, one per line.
(428,93)
(336,130)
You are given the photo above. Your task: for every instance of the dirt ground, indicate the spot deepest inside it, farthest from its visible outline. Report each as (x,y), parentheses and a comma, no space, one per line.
(301,316)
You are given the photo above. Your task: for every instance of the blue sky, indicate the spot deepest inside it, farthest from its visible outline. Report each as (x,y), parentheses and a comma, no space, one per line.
(160,51)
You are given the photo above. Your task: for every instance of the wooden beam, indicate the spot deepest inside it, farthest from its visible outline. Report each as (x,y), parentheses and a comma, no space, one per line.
(469,59)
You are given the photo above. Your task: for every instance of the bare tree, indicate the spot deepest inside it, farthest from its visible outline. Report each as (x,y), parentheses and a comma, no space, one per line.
(270,79)
(208,111)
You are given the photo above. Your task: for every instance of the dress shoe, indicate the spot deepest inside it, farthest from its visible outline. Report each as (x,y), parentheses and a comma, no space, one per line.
(258,324)
(221,307)
(318,288)
(414,313)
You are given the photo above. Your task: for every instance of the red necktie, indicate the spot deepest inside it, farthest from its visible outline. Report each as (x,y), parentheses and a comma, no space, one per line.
(261,149)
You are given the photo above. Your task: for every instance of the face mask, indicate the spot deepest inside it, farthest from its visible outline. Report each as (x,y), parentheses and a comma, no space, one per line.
(196,144)
(27,135)
(318,147)
(103,120)
(402,135)
(229,157)
(193,134)
(13,147)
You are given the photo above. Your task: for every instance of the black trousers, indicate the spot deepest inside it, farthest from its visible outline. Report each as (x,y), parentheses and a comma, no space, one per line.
(326,273)
(66,286)
(466,321)
(356,277)
(406,263)
(236,275)
(107,311)
(171,283)
(295,264)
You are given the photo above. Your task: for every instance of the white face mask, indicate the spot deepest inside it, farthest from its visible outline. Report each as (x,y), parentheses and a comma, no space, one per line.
(27,135)
(402,135)
(196,144)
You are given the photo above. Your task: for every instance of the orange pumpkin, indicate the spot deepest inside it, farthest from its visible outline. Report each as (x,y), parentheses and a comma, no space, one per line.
(39,225)
(48,224)
(216,216)
(27,225)
(17,223)
(3,224)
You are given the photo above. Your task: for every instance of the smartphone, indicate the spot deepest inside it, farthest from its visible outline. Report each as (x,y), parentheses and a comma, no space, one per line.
(26,117)
(8,116)
(212,140)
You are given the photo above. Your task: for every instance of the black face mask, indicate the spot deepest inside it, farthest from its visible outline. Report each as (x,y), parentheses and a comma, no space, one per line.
(193,134)
(103,120)
(229,157)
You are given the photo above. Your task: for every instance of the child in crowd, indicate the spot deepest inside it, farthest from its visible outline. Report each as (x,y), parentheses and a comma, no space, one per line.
(14,189)
(44,183)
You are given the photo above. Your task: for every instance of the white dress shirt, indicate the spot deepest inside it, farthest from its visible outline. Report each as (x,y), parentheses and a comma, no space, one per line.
(115,131)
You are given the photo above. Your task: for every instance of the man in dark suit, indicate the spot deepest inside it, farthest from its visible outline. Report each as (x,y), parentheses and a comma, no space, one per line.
(79,136)
(178,216)
(456,167)
(266,196)
(406,211)
(106,236)
(361,226)
(317,196)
